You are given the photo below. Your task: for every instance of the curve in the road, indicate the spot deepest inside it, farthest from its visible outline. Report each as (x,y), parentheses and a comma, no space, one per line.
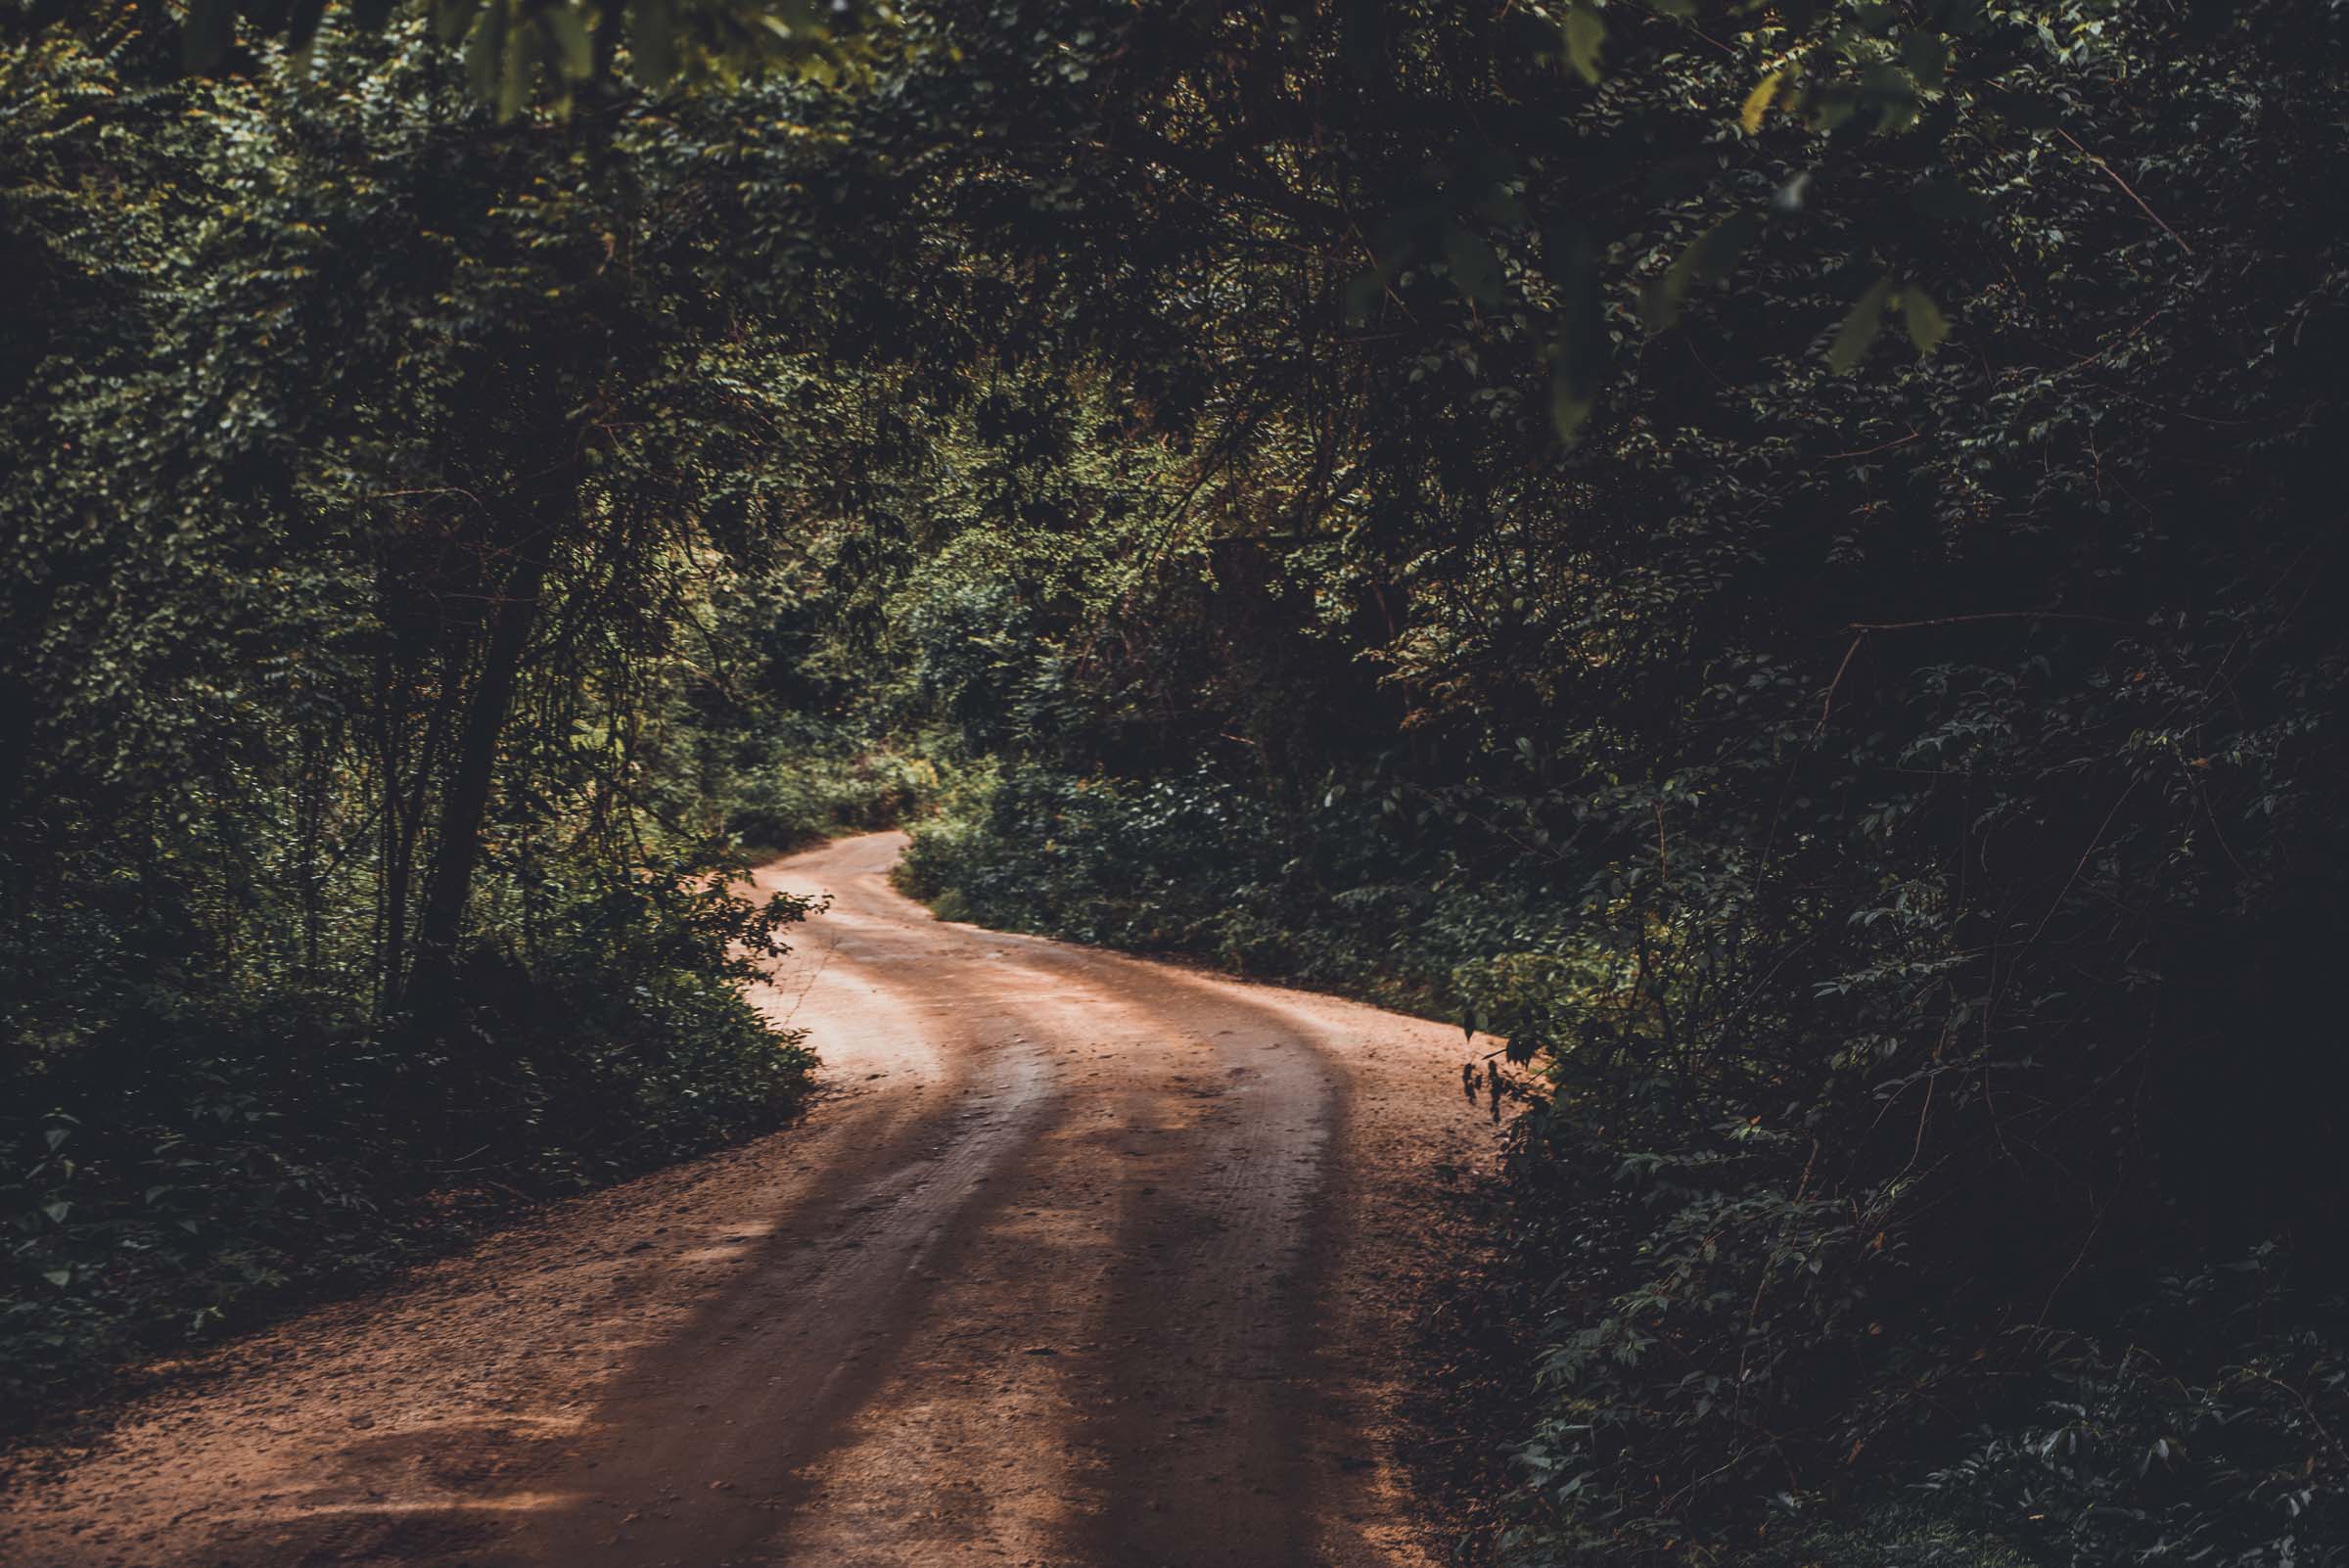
(1086,1262)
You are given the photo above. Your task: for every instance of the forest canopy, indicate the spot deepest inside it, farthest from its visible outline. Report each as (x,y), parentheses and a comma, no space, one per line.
(1776,558)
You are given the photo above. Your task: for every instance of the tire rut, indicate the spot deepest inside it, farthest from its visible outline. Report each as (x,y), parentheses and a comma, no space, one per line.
(1085,1263)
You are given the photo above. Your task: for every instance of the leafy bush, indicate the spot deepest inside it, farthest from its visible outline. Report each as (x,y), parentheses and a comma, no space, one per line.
(808,794)
(1197,867)
(2209,1435)
(182,1158)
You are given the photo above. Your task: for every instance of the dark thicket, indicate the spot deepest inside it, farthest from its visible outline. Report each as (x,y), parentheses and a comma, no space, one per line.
(1779,559)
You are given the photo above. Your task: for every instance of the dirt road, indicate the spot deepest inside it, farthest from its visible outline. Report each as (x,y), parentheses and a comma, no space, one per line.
(1085,1261)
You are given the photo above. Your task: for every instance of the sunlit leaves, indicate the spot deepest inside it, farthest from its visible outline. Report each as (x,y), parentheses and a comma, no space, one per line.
(520,52)
(1756,102)
(1928,326)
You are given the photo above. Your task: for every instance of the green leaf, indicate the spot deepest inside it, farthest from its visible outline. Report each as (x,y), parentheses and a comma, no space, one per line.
(1706,261)
(57,1210)
(1894,96)
(57,1135)
(1829,108)
(58,1276)
(1756,102)
(1859,328)
(1927,327)
(1585,37)
(1926,56)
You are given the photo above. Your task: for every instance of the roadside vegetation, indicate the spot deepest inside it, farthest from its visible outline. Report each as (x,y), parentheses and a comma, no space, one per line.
(1783,560)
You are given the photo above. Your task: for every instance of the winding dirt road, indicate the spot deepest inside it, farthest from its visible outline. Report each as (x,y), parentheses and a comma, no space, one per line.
(1084,1261)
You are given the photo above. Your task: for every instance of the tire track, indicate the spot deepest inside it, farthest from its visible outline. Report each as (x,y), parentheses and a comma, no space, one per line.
(1083,1262)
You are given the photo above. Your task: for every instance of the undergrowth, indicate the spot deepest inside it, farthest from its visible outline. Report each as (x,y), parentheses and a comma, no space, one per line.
(185,1158)
(1731,1359)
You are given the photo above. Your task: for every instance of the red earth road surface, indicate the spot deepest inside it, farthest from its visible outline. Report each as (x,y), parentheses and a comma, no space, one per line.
(1083,1261)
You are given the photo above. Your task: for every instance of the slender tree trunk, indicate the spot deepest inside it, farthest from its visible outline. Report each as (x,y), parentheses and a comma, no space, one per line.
(430,988)
(391,895)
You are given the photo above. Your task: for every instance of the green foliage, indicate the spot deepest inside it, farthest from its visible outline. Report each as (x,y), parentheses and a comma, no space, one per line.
(815,786)
(2191,1441)
(517,53)
(356,853)
(1414,497)
(1885,797)
(189,1151)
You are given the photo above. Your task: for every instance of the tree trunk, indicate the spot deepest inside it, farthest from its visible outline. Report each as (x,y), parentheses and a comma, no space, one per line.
(430,989)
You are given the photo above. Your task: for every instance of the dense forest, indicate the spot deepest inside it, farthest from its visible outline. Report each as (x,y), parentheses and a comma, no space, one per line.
(1768,559)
